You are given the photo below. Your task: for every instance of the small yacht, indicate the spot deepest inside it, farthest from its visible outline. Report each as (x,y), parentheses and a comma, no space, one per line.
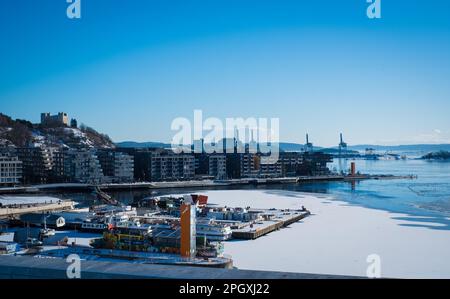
(46,232)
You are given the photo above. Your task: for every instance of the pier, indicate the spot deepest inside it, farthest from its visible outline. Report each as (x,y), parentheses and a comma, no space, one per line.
(262,228)
(36,208)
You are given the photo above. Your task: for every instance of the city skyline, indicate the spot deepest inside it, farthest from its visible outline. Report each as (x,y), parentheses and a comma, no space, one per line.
(321,68)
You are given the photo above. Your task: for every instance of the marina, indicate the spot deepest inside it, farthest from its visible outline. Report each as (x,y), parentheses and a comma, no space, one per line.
(153,230)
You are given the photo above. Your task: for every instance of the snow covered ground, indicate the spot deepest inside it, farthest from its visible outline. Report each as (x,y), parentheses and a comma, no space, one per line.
(338,238)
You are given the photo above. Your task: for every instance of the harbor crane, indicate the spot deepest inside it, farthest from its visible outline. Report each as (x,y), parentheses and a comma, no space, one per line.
(308,145)
(342,146)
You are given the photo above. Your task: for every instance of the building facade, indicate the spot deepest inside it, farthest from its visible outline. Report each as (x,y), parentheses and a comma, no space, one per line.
(117,167)
(252,165)
(59,119)
(217,166)
(36,164)
(168,166)
(10,170)
(82,166)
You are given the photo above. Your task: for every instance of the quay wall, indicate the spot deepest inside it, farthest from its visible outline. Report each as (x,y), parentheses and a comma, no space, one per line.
(27,267)
(64,205)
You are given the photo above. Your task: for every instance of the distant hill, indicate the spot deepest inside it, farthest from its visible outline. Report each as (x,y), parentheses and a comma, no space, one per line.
(294,147)
(134,144)
(21,133)
(291,147)
(284,146)
(441,155)
(404,148)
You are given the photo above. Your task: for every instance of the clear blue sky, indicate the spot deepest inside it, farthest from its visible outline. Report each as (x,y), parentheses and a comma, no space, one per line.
(128,68)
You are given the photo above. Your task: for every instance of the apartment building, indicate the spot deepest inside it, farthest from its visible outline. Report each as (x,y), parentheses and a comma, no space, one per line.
(36,164)
(117,167)
(10,170)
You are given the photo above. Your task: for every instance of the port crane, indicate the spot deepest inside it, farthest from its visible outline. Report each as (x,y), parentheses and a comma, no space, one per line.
(342,146)
(308,145)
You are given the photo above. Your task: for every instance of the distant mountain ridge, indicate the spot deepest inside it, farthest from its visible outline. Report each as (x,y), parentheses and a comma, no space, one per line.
(403,148)
(289,146)
(135,144)
(286,146)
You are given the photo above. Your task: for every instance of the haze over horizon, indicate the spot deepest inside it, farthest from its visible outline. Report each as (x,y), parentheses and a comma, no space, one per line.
(320,67)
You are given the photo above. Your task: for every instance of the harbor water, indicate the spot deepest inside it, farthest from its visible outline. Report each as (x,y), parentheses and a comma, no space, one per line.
(427,195)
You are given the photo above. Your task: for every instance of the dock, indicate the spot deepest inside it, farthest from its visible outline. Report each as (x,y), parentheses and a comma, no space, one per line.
(36,208)
(264,227)
(27,267)
(140,257)
(204,184)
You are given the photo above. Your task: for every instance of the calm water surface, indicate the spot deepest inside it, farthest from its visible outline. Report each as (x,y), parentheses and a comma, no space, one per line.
(424,200)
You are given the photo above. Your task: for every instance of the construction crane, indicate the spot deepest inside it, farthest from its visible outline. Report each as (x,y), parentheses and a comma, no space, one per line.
(308,145)
(342,146)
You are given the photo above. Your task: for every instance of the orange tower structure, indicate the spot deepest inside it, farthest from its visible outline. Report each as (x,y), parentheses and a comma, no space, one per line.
(188,232)
(353,169)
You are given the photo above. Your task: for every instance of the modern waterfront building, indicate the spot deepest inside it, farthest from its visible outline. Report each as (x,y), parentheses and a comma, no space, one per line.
(217,166)
(82,166)
(61,169)
(211,166)
(142,162)
(117,167)
(10,169)
(157,164)
(167,165)
(36,164)
(252,165)
(291,162)
(315,163)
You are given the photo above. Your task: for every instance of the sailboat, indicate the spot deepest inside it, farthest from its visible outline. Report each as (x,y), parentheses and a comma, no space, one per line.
(46,232)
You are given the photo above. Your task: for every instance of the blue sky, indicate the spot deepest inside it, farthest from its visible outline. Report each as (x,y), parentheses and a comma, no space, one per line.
(128,68)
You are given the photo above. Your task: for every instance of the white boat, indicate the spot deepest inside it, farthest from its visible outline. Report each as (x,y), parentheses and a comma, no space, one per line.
(93,226)
(47,232)
(31,242)
(213,231)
